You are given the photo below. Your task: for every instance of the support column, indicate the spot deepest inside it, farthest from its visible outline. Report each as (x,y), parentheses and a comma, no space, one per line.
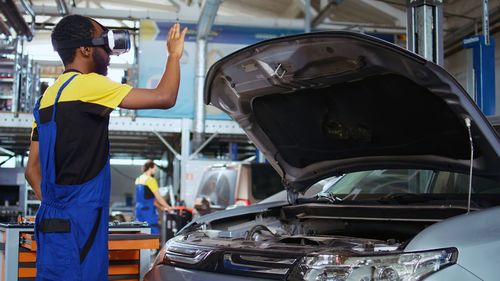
(176,175)
(16,86)
(233,151)
(481,67)
(259,156)
(425,29)
(205,22)
(307,16)
(185,151)
(199,121)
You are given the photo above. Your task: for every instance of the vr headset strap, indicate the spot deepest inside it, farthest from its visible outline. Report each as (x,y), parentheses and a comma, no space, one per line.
(71,44)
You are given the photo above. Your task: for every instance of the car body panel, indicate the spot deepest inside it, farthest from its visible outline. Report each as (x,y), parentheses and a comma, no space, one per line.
(476,236)
(324,104)
(455,273)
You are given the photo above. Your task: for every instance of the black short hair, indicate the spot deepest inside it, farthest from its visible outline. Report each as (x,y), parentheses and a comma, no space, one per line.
(148,165)
(72,27)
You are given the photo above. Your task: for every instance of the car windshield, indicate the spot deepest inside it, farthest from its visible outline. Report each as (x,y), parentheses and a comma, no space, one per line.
(435,185)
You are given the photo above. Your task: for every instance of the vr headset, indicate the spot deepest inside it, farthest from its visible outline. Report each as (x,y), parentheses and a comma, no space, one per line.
(115,42)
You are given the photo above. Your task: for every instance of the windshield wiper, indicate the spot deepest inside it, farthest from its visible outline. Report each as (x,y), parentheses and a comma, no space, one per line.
(406,198)
(321,197)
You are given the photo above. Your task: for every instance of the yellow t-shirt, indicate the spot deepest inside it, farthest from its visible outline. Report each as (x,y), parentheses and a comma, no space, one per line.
(82,146)
(148,181)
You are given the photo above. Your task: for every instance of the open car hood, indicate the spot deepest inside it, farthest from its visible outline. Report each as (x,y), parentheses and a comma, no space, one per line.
(321,104)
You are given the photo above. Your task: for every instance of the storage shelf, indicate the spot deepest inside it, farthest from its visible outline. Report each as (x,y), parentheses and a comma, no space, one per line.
(7,51)
(7,62)
(140,124)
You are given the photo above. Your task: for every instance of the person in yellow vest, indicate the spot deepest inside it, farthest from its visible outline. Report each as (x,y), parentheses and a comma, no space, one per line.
(148,198)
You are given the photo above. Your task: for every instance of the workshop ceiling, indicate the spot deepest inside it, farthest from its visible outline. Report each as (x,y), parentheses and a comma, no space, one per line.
(462,18)
(386,12)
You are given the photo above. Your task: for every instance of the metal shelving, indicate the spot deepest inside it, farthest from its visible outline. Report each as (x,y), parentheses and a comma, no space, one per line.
(134,137)
(19,77)
(8,58)
(28,201)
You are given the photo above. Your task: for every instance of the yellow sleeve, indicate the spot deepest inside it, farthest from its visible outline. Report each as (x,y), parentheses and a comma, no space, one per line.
(34,131)
(152,184)
(104,91)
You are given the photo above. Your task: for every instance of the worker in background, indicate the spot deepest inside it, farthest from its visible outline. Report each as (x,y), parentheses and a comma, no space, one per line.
(148,198)
(43,86)
(68,165)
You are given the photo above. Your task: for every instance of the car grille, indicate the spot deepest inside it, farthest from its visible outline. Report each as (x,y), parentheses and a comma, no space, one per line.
(239,263)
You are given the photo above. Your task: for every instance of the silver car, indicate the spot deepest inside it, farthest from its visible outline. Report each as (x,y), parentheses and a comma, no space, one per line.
(419,195)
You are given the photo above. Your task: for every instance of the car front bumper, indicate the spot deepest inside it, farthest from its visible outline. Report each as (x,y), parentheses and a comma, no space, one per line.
(171,273)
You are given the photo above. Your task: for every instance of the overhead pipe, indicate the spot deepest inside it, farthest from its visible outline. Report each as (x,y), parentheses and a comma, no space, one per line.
(15,19)
(62,7)
(205,22)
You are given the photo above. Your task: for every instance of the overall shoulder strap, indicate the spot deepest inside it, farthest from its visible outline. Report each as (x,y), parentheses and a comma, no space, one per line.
(54,107)
(36,109)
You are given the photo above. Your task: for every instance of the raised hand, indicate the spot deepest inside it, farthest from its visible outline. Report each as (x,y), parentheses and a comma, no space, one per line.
(175,40)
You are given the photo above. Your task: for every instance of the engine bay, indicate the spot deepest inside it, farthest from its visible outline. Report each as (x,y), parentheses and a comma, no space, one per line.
(316,227)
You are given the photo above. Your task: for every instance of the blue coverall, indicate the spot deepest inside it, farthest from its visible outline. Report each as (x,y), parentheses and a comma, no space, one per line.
(145,209)
(71,226)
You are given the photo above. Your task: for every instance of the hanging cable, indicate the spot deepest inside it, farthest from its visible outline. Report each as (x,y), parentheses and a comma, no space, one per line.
(468,125)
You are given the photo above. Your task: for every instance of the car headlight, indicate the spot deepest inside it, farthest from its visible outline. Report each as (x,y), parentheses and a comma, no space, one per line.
(177,253)
(401,267)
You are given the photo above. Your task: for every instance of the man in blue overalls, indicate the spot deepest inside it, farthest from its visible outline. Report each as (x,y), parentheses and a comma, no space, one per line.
(68,165)
(148,198)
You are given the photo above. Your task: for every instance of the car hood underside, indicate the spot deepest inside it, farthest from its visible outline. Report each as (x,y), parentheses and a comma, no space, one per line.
(325,104)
